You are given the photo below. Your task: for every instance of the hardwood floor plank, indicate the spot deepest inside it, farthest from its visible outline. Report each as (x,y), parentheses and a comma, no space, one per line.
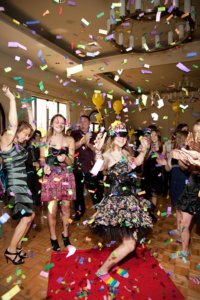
(34,286)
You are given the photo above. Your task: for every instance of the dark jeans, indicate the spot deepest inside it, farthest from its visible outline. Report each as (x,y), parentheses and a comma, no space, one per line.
(94,184)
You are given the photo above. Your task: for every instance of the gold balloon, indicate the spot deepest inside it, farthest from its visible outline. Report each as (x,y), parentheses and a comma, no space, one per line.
(175,107)
(117,106)
(98,100)
(98,117)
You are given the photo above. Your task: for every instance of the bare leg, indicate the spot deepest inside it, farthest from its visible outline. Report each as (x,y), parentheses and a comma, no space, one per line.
(52,213)
(65,216)
(27,229)
(19,233)
(178,219)
(185,230)
(126,247)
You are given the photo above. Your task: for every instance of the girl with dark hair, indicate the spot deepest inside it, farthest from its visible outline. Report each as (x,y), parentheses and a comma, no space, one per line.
(152,171)
(179,176)
(58,183)
(14,157)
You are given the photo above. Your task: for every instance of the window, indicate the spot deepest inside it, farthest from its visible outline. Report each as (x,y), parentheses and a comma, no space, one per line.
(52,110)
(44,110)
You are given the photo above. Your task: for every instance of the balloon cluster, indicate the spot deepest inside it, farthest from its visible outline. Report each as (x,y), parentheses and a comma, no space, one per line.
(98,101)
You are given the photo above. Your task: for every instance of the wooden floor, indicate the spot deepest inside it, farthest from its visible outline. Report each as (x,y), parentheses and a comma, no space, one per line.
(33,286)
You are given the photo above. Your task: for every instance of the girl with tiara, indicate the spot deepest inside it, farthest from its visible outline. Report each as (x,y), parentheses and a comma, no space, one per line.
(121,214)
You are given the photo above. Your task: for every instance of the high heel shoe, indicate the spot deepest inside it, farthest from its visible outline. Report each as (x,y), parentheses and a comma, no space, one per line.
(21,252)
(66,240)
(55,245)
(20,261)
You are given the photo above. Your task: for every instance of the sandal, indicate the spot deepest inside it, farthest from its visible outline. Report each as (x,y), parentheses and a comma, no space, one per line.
(21,252)
(20,261)
(179,254)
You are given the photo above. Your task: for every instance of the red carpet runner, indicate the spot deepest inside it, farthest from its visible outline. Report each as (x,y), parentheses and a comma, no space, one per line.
(74,278)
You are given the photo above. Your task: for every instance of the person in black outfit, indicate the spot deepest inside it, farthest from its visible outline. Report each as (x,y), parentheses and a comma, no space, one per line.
(32,166)
(83,163)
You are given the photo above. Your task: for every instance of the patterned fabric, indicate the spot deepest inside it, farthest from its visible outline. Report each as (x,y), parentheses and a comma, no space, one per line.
(121,212)
(60,184)
(19,194)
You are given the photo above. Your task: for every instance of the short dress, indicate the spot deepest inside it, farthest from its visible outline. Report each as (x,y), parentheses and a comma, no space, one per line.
(189,201)
(153,181)
(121,213)
(19,195)
(178,180)
(60,184)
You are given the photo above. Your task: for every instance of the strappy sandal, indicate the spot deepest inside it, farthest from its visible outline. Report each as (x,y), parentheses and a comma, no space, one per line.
(14,260)
(21,252)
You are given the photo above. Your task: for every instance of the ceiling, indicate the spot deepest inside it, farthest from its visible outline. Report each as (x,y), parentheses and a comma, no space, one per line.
(56,39)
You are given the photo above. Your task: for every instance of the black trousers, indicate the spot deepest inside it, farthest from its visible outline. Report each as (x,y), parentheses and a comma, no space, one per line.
(95,186)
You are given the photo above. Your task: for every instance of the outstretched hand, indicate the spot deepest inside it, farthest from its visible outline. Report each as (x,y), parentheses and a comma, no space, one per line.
(7,92)
(100,140)
(27,105)
(145,144)
(188,157)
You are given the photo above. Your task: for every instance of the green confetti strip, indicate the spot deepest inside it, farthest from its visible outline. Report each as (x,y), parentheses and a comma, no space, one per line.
(48,267)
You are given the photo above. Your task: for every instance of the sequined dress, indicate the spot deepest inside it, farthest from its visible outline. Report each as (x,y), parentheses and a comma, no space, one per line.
(121,212)
(20,200)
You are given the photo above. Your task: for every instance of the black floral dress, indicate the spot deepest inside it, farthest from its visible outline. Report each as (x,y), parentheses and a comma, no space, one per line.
(121,213)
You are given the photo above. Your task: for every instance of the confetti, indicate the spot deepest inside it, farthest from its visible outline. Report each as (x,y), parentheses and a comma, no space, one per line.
(183,67)
(11,293)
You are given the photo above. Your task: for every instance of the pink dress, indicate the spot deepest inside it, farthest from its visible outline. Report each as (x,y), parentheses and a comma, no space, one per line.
(60,184)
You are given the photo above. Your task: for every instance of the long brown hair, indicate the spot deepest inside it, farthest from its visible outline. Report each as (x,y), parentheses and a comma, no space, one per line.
(24,125)
(179,140)
(50,130)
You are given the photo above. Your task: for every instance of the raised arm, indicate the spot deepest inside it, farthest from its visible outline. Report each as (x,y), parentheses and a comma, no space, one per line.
(8,136)
(144,147)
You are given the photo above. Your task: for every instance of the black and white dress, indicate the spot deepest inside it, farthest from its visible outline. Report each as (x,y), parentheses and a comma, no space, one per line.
(20,200)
